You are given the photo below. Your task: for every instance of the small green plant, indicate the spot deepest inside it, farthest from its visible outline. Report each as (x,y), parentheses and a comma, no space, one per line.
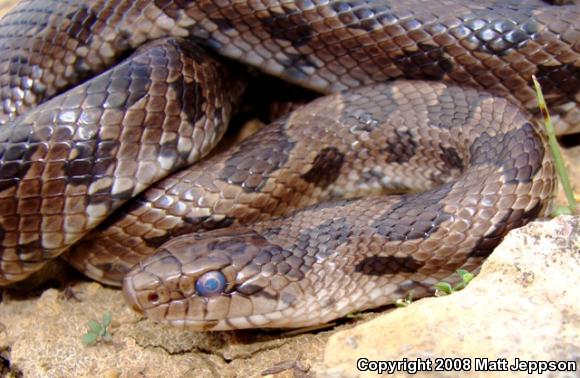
(404,302)
(445,288)
(98,331)
(558,160)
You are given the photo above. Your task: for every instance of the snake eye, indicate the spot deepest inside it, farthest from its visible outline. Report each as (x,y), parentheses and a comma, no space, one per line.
(210,284)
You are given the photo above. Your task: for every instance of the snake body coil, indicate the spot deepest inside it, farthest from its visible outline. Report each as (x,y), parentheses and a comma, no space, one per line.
(69,162)
(335,258)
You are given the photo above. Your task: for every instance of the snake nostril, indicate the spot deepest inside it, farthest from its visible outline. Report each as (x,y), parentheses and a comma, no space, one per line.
(153,297)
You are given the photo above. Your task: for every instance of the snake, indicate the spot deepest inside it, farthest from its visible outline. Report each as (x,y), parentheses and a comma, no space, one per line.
(110,109)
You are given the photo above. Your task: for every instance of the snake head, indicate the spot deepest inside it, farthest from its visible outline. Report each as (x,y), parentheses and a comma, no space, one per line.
(224,279)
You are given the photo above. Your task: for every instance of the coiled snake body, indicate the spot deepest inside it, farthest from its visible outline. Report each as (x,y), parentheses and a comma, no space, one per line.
(70,161)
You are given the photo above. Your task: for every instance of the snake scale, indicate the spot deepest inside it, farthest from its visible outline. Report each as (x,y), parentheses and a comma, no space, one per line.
(107,104)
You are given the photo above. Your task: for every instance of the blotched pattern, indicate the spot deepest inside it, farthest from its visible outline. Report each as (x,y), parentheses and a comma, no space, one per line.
(325,261)
(76,158)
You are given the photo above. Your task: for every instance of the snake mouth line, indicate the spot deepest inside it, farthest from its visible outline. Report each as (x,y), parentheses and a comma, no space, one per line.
(130,296)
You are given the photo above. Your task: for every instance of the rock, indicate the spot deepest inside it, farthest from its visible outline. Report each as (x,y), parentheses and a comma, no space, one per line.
(524,304)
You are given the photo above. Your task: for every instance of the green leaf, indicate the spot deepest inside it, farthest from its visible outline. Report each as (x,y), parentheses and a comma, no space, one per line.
(561,210)
(95,327)
(555,148)
(444,287)
(89,338)
(466,276)
(462,272)
(107,318)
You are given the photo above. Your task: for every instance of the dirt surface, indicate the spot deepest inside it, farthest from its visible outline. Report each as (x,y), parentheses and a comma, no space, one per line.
(41,337)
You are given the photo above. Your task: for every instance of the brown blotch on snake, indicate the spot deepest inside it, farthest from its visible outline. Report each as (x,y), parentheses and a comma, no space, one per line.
(81,24)
(325,168)
(400,148)
(428,62)
(288,25)
(451,159)
(251,172)
(383,265)
(554,83)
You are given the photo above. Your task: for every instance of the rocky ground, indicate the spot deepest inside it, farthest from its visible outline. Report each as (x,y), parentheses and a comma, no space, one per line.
(523,304)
